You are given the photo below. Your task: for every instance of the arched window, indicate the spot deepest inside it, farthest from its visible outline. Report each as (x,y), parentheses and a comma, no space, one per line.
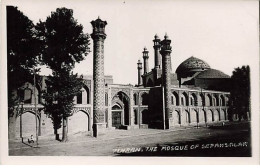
(149,83)
(83,96)
(135,99)
(87,95)
(222,101)
(193,100)
(184,99)
(79,98)
(116,107)
(216,100)
(201,100)
(145,99)
(175,99)
(208,100)
(27,96)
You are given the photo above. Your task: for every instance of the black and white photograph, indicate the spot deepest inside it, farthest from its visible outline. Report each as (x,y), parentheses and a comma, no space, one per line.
(130,79)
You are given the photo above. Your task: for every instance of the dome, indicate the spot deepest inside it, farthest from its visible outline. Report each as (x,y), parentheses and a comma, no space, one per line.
(212,73)
(192,64)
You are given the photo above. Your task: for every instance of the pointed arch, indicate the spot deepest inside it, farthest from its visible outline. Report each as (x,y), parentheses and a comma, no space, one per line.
(83,97)
(201,100)
(27,96)
(150,83)
(208,100)
(202,116)
(175,99)
(144,98)
(176,117)
(184,99)
(87,95)
(216,115)
(193,100)
(215,100)
(194,116)
(210,116)
(187,116)
(79,122)
(28,124)
(124,101)
(222,101)
(79,98)
(117,106)
(135,99)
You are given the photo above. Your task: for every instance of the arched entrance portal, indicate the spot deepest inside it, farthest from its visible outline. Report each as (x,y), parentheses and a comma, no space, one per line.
(117,115)
(121,110)
(28,125)
(79,122)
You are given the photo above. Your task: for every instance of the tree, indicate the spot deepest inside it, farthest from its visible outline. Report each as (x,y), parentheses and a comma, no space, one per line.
(59,98)
(22,55)
(240,92)
(64,44)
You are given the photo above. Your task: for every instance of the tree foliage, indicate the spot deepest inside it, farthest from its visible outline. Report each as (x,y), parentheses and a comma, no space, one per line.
(63,44)
(59,97)
(240,92)
(22,52)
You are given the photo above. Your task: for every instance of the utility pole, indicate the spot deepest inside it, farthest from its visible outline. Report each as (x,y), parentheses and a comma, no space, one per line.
(163,107)
(35,105)
(139,114)
(21,121)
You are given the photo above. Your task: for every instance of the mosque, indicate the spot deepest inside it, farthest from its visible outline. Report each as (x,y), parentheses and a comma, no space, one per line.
(193,95)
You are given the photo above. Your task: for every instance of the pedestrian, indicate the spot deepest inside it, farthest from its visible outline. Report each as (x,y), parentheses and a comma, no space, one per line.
(31,140)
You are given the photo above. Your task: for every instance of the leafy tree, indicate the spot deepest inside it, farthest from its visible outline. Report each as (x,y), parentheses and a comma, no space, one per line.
(240,92)
(22,53)
(59,98)
(64,44)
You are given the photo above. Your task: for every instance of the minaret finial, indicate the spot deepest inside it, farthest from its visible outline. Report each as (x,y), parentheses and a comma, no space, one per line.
(166,36)
(156,36)
(98,17)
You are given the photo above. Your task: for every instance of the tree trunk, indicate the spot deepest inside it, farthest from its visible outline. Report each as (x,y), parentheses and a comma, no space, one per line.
(65,129)
(56,134)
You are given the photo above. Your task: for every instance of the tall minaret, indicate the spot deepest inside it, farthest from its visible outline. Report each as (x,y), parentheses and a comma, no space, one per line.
(166,82)
(139,68)
(98,37)
(145,57)
(157,56)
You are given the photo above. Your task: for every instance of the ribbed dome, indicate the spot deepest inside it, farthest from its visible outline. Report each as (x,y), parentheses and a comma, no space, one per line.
(212,73)
(192,64)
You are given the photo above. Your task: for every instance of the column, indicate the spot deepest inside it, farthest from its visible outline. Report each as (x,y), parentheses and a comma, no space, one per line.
(98,37)
(166,74)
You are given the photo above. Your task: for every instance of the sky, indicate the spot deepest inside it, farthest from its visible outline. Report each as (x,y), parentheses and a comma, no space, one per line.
(224,34)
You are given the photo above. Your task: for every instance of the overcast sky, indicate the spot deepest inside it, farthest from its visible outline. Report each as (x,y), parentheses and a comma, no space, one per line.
(222,33)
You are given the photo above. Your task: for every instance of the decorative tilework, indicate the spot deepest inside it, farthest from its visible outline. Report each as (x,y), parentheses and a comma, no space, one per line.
(98,37)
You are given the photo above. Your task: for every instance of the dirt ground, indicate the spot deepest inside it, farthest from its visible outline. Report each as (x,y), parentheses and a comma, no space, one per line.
(216,140)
